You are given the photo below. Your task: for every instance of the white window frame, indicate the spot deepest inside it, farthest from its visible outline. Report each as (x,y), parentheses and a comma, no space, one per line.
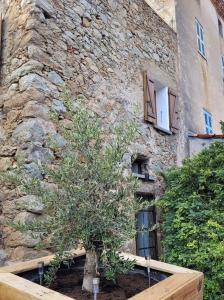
(200,38)
(162,108)
(208,122)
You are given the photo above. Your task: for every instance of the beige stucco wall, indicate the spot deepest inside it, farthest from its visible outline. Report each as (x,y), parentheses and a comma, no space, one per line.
(196,145)
(201,80)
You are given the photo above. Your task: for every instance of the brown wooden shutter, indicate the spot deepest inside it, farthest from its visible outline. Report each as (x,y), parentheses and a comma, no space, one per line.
(174,114)
(1,38)
(149,99)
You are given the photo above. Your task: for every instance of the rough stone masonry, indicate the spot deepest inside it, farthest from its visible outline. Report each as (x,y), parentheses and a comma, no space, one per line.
(97,48)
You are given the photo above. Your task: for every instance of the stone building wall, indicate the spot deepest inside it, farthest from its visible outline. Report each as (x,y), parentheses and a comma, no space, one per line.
(95,48)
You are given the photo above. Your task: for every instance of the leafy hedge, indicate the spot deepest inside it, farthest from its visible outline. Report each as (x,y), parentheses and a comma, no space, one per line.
(193,226)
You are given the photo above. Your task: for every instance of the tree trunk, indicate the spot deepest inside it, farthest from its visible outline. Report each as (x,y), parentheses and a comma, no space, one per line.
(90,270)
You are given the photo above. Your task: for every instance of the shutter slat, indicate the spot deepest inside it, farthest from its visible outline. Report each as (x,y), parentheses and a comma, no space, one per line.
(145,96)
(174,114)
(149,99)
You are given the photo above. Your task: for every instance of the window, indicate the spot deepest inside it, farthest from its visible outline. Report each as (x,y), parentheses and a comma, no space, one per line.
(139,169)
(146,239)
(208,122)
(160,106)
(200,38)
(138,166)
(223,67)
(220,28)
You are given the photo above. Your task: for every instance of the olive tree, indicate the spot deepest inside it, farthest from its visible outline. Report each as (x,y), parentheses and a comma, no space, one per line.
(92,202)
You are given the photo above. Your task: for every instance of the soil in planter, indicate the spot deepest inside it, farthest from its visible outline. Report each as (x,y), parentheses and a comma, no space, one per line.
(69,282)
(126,286)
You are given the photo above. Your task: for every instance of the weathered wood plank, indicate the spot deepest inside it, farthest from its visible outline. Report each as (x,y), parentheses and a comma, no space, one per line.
(13,287)
(158,265)
(177,287)
(32,264)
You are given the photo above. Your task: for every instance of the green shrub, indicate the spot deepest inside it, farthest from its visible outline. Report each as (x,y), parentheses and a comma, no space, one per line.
(222,126)
(193,225)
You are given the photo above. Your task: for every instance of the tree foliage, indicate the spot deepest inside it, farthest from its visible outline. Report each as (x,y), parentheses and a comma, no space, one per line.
(222,126)
(91,200)
(193,226)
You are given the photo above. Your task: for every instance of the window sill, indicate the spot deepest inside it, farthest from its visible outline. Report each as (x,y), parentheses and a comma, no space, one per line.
(140,176)
(143,177)
(163,130)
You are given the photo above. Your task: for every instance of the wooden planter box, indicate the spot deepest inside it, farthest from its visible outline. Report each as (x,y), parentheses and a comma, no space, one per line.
(183,284)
